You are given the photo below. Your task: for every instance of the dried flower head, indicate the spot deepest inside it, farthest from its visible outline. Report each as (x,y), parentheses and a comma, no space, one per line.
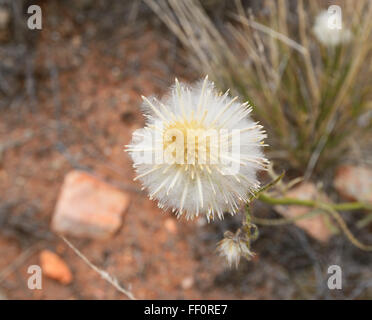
(199,151)
(327,34)
(233,247)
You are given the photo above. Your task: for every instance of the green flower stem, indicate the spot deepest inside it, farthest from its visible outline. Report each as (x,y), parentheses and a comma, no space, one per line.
(319,206)
(346,206)
(283,221)
(267,186)
(286,201)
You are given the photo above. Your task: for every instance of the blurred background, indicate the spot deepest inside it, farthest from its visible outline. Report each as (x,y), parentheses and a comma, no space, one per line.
(69,102)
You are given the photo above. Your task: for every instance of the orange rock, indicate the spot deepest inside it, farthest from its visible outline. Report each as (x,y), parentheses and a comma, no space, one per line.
(54,267)
(354,183)
(315,226)
(170,225)
(88,207)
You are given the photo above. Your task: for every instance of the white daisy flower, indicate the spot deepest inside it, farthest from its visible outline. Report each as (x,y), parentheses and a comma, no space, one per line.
(199,151)
(232,247)
(328,35)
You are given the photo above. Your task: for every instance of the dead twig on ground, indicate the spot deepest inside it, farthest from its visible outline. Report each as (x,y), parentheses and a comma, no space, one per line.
(106,276)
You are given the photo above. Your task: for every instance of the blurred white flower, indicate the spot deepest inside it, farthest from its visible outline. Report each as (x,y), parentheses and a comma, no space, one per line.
(207,151)
(233,247)
(326,34)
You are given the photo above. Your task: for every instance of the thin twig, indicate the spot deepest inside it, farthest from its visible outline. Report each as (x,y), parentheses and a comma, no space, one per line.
(105,275)
(346,230)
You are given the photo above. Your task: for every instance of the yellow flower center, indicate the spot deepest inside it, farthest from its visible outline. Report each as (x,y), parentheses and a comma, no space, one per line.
(190,142)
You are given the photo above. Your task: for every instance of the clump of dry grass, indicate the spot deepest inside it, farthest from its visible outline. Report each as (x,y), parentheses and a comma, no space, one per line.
(310,97)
